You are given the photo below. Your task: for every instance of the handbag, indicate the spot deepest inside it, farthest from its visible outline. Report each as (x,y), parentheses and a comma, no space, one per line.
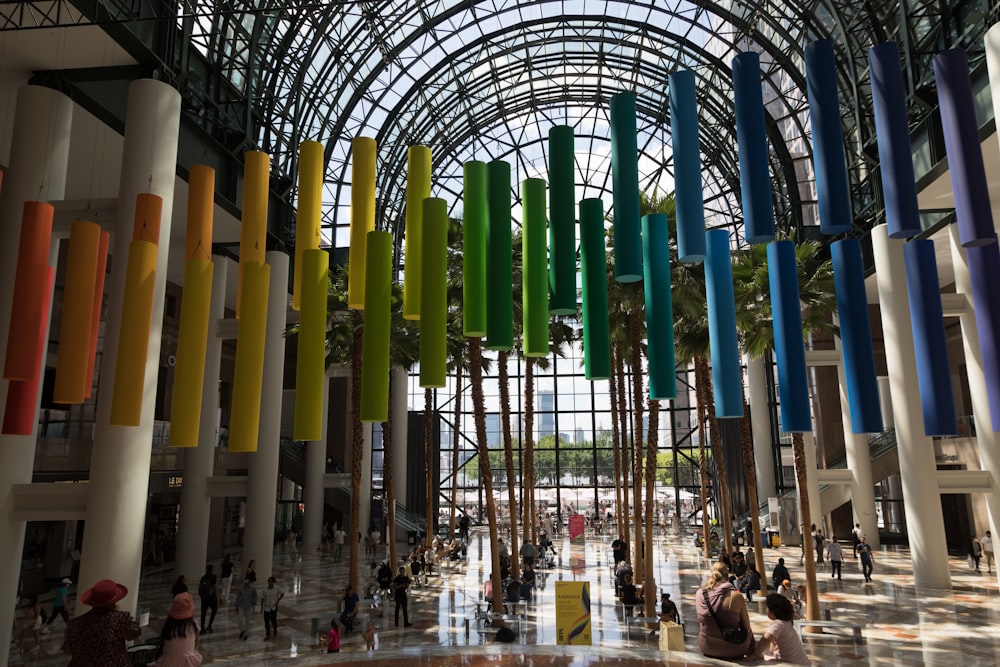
(671,636)
(736,635)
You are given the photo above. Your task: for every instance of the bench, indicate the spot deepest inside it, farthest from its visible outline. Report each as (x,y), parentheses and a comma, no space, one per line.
(484,619)
(854,629)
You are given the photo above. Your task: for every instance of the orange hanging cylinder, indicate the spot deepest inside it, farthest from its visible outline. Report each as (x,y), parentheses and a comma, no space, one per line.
(146,227)
(77,309)
(20,413)
(29,280)
(201,202)
(97,307)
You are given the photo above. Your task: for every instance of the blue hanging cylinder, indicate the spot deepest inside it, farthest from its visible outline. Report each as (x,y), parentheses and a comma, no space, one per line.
(727,380)
(625,182)
(929,340)
(856,336)
(659,307)
(892,130)
(834,195)
(688,195)
(751,136)
(984,274)
(786,312)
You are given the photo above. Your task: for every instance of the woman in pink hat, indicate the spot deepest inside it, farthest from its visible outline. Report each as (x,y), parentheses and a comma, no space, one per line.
(180,635)
(97,638)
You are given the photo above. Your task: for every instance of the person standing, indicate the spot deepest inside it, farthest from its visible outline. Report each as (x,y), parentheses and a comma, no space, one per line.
(351,601)
(820,541)
(246,600)
(858,535)
(987,545)
(209,594)
(399,586)
(333,639)
(338,543)
(269,599)
(780,573)
(975,553)
(835,553)
(59,604)
(864,551)
(97,638)
(180,586)
(180,635)
(227,578)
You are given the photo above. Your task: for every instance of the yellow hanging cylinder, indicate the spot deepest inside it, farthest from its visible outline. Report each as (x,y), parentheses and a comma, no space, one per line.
(418,188)
(362,217)
(307,217)
(244,420)
(192,342)
(77,311)
(253,229)
(310,365)
(200,213)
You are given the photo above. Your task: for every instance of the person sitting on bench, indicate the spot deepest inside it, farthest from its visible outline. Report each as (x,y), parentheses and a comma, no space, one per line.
(629,595)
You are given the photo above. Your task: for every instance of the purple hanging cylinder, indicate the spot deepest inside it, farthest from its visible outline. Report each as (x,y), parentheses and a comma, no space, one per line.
(965,153)
(984,274)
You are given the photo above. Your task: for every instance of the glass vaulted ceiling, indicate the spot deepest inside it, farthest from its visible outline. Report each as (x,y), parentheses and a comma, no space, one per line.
(486,80)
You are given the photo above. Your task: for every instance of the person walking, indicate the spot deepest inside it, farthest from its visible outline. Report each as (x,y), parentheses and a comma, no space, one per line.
(333,638)
(858,535)
(338,543)
(399,586)
(975,553)
(780,573)
(987,545)
(867,560)
(835,553)
(180,586)
(246,601)
(226,578)
(97,638)
(820,542)
(209,594)
(269,599)
(59,604)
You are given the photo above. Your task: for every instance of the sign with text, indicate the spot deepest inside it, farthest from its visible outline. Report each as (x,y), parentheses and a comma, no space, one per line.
(573,613)
(577,526)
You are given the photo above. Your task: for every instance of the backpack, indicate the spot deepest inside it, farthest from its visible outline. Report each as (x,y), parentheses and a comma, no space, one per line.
(505,634)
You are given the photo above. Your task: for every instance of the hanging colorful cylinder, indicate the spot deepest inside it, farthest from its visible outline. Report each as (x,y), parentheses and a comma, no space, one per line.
(499,269)
(688,195)
(308,213)
(625,183)
(192,337)
(789,350)
(137,313)
(248,373)
(562,221)
(310,362)
(418,188)
(362,217)
(474,232)
(751,137)
(984,274)
(21,411)
(856,336)
(659,307)
(594,272)
(892,131)
(832,189)
(930,342)
(727,378)
(377,323)
(71,380)
(534,269)
(97,306)
(434,294)
(26,303)
(253,228)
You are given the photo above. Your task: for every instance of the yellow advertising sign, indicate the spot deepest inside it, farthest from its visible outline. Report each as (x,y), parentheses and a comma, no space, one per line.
(573,613)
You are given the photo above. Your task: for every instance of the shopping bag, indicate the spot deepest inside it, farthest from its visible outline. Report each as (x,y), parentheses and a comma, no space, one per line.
(671,636)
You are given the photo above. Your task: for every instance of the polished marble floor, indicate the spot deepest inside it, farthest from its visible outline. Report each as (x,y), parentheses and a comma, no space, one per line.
(900,625)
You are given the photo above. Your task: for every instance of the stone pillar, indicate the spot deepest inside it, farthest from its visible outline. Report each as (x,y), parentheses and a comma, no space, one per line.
(262,478)
(987,439)
(119,466)
(39,156)
(885,402)
(192,529)
(917,466)
(760,421)
(313,489)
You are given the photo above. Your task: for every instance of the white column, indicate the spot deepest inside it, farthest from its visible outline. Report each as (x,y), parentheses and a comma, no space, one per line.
(986,437)
(119,466)
(893,511)
(917,466)
(760,422)
(262,477)
(192,529)
(38,158)
(859,462)
(812,485)
(313,489)
(885,402)
(287,489)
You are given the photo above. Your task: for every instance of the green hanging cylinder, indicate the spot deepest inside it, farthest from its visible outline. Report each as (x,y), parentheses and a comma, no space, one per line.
(499,269)
(375,350)
(418,188)
(625,182)
(310,365)
(475,217)
(562,222)
(662,367)
(534,271)
(593,269)
(434,294)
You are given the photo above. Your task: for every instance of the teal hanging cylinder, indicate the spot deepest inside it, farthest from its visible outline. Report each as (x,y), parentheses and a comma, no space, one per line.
(593,270)
(475,218)
(499,270)
(625,182)
(562,221)
(659,307)
(375,350)
(534,272)
(433,293)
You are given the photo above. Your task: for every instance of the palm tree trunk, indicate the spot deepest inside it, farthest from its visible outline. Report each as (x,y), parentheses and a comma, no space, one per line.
(357,449)
(508,455)
(624,532)
(390,497)
(700,370)
(457,432)
(528,473)
(654,426)
(485,472)
(812,591)
(635,363)
(429,462)
(616,447)
(750,466)
(720,468)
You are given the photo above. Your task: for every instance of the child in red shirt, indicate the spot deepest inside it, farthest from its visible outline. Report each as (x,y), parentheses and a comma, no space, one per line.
(333,642)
